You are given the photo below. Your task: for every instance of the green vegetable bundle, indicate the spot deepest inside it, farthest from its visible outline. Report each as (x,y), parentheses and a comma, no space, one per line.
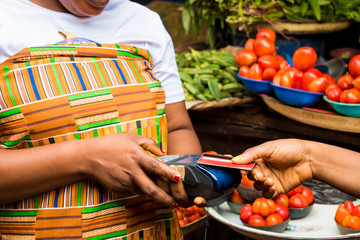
(209,75)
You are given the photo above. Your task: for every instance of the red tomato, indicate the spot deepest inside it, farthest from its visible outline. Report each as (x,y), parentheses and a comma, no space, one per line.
(298,81)
(341,213)
(308,194)
(244,71)
(297,201)
(268,33)
(350,96)
(201,211)
(245,57)
(255,72)
(256,220)
(333,92)
(273,219)
(287,78)
(345,81)
(318,85)
(249,44)
(349,205)
(194,217)
(354,66)
(356,211)
(263,206)
(298,189)
(246,207)
(304,58)
(268,74)
(235,197)
(245,213)
(282,199)
(351,222)
(263,46)
(329,78)
(356,83)
(268,61)
(183,222)
(282,211)
(190,210)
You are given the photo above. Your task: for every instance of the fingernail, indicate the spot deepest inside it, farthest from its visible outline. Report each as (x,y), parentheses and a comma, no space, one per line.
(177,177)
(174,205)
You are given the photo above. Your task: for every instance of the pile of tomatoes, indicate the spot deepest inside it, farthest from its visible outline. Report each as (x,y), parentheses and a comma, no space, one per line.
(347,87)
(263,212)
(189,214)
(348,215)
(259,60)
(299,197)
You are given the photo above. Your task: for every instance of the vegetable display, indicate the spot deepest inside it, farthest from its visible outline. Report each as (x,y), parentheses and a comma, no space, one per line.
(209,75)
(348,215)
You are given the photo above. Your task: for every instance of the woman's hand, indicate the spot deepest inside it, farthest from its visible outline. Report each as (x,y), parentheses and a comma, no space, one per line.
(281,165)
(121,163)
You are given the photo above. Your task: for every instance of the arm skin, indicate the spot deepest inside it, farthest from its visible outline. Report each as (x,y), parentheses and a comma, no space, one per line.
(284,164)
(117,161)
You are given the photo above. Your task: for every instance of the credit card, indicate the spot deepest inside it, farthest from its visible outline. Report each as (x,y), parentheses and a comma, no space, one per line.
(223,161)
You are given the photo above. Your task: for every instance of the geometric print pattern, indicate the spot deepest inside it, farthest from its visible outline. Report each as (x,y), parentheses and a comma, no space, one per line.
(66,92)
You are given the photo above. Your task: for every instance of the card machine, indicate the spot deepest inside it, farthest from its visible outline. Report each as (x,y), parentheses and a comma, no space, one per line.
(213,183)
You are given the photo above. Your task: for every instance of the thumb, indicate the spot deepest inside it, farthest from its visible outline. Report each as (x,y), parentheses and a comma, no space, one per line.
(252,154)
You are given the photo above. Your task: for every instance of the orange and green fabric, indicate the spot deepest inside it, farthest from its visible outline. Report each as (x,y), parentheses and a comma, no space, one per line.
(65,92)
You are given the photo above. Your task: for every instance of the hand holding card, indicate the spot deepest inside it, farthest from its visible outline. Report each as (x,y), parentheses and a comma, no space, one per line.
(223,161)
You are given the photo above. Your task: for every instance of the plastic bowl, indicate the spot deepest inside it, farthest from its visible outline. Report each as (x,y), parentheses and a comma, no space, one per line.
(257,86)
(297,97)
(347,109)
(279,228)
(297,213)
(345,230)
(235,207)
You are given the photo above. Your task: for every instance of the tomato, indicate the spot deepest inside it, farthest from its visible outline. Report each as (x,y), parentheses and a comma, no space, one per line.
(298,81)
(328,78)
(304,58)
(268,61)
(349,205)
(255,72)
(245,57)
(183,222)
(249,44)
(351,222)
(277,77)
(282,211)
(354,66)
(268,33)
(244,71)
(345,81)
(341,213)
(179,214)
(333,92)
(263,206)
(350,96)
(256,220)
(282,199)
(201,211)
(298,189)
(273,219)
(263,46)
(356,83)
(287,78)
(308,194)
(356,211)
(190,210)
(245,213)
(318,85)
(245,181)
(297,201)
(282,61)
(268,74)
(235,197)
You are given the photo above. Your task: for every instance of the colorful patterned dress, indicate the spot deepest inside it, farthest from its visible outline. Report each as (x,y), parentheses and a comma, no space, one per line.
(66,92)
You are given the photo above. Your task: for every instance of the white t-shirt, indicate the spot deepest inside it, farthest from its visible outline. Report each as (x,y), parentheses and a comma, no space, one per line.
(25,24)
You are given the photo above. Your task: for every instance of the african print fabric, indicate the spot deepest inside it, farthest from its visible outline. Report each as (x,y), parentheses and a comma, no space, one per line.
(66,92)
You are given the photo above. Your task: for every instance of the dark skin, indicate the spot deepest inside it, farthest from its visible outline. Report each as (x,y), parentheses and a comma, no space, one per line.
(119,161)
(284,164)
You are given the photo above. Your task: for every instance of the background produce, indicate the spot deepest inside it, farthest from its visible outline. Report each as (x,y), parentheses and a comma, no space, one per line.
(348,215)
(189,215)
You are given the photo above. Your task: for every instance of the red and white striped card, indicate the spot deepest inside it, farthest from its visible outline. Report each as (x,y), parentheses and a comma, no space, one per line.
(223,161)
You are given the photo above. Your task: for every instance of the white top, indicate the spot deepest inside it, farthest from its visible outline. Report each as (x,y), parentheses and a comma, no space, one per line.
(25,24)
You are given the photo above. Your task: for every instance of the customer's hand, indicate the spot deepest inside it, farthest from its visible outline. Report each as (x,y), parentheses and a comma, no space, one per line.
(281,165)
(121,163)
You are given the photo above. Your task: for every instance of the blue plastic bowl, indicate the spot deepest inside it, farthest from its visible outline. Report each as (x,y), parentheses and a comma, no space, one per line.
(347,109)
(296,97)
(257,86)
